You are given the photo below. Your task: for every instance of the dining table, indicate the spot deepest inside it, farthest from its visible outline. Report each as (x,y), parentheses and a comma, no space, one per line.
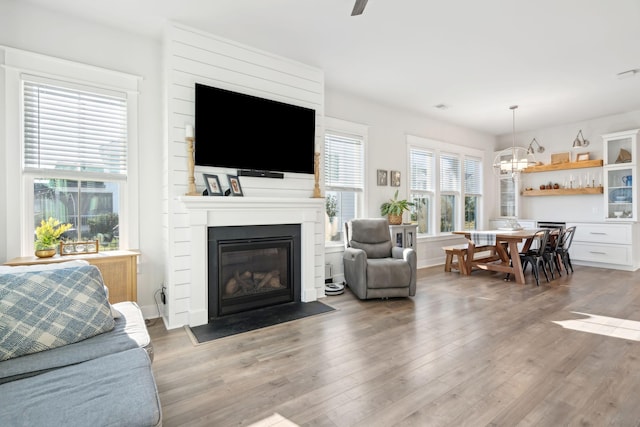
(506,248)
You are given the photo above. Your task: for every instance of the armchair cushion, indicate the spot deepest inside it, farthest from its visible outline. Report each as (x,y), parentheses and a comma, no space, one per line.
(372,238)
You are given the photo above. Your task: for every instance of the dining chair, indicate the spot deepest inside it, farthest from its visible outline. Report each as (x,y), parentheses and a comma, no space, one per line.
(562,249)
(550,255)
(535,255)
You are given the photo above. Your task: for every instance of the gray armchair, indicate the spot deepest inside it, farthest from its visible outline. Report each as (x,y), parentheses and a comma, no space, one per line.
(373,266)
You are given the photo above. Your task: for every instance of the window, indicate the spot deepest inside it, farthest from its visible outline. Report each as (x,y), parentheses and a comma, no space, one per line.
(446,186)
(449,191)
(422,191)
(344,175)
(472,192)
(75,154)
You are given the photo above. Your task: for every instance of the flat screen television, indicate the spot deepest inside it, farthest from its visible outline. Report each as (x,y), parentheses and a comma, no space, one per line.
(234,130)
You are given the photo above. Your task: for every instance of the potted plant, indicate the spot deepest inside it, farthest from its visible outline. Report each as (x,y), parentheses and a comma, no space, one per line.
(331,210)
(48,235)
(394,209)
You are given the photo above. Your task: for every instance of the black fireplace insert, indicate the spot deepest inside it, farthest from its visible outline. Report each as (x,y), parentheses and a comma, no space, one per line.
(251,267)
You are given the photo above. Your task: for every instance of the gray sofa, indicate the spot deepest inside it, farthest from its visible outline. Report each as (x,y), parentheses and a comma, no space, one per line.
(68,357)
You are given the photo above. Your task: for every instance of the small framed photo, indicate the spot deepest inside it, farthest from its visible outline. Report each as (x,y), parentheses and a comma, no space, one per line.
(582,157)
(559,158)
(213,184)
(234,185)
(395,178)
(382,177)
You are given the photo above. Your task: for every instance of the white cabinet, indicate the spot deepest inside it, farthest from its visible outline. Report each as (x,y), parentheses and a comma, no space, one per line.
(605,245)
(620,175)
(404,236)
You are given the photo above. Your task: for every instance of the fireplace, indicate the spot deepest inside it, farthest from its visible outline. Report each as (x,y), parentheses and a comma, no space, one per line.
(252,266)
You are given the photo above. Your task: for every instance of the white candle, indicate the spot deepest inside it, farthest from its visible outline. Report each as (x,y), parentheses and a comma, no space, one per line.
(188,130)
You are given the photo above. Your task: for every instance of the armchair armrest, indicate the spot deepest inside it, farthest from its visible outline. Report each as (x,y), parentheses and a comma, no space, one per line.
(410,256)
(355,269)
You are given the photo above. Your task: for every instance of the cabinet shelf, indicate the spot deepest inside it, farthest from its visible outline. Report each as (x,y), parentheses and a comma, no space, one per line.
(564,166)
(564,191)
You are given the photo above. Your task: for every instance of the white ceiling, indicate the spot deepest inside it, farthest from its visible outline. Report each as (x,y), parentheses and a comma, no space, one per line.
(556,59)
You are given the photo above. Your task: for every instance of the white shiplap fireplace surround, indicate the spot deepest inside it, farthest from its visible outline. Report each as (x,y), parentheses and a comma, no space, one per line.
(207,212)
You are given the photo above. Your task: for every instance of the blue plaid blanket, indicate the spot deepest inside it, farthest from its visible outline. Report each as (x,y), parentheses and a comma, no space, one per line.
(483,238)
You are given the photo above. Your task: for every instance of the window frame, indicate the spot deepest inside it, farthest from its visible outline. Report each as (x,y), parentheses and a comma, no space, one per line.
(351,129)
(437,149)
(18,63)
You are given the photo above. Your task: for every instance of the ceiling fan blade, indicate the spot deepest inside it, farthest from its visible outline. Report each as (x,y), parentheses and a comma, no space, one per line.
(358,8)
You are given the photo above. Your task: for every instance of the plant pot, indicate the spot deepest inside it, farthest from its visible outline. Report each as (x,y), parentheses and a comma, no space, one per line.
(395,219)
(45,253)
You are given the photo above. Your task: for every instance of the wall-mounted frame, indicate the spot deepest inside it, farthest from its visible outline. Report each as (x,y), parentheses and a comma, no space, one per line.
(213,184)
(580,157)
(75,248)
(395,178)
(234,185)
(382,177)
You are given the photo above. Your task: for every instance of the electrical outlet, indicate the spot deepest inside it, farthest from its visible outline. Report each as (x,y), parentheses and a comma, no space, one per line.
(163,296)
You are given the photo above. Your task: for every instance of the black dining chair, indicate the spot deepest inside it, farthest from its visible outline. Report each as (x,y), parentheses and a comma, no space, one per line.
(535,255)
(562,249)
(550,255)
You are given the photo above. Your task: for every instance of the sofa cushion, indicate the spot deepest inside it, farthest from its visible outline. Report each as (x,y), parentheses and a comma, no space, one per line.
(51,308)
(114,390)
(129,332)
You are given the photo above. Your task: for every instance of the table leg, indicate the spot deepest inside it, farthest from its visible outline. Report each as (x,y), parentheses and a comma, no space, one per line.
(515,262)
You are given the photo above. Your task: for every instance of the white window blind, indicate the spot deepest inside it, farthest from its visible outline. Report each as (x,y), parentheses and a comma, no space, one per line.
(74,130)
(449,173)
(472,176)
(421,163)
(344,162)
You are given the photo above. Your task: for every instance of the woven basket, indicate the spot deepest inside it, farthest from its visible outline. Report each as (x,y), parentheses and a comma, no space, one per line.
(395,219)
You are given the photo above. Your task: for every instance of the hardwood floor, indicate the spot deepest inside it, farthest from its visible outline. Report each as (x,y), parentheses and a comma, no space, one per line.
(465,351)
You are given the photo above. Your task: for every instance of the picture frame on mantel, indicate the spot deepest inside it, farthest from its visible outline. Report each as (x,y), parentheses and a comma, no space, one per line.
(234,185)
(213,184)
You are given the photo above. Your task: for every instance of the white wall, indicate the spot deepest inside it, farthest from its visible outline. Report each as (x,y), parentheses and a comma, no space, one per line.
(23,26)
(386,149)
(559,139)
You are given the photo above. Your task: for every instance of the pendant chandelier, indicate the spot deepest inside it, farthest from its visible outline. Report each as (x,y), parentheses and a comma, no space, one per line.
(512,161)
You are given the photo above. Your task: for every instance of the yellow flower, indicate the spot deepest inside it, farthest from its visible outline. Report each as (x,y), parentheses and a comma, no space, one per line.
(49,232)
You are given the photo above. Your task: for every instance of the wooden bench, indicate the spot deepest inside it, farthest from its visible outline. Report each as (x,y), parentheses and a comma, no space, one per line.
(461,252)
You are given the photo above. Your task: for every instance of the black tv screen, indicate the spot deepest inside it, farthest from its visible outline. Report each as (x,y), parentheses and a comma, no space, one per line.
(234,130)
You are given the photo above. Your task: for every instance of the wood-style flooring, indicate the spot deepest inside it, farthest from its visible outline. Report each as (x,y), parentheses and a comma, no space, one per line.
(465,351)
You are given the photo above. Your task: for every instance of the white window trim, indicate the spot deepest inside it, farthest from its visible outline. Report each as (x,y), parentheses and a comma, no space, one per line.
(350,128)
(15,63)
(439,147)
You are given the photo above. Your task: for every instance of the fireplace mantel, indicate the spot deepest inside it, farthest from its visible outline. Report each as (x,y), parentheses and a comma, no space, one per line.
(220,211)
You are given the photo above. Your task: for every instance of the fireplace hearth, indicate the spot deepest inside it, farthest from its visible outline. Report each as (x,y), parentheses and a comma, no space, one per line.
(251,267)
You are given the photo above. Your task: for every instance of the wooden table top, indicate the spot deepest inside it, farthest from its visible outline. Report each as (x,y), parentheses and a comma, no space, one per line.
(525,233)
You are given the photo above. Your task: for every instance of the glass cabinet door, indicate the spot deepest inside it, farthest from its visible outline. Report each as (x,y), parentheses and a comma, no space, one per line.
(620,167)
(619,193)
(508,197)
